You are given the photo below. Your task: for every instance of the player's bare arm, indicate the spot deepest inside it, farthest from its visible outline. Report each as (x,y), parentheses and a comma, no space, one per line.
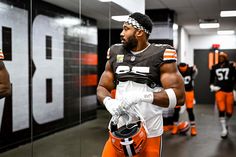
(170,79)
(106,83)
(5,86)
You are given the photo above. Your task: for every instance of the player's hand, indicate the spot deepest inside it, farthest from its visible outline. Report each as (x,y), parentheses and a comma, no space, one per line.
(214,88)
(182,109)
(113,106)
(132,98)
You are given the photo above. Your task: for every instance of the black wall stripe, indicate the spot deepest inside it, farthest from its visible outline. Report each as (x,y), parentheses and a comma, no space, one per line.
(48,47)
(49,90)
(7,43)
(88,90)
(88,69)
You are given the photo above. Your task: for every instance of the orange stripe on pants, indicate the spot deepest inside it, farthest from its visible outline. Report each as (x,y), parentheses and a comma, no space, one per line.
(152,149)
(189,99)
(225,101)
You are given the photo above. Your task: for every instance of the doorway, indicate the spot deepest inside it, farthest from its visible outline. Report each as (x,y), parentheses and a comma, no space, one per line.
(202,90)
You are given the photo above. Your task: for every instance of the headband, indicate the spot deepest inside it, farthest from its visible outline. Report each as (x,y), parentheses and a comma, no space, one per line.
(135,24)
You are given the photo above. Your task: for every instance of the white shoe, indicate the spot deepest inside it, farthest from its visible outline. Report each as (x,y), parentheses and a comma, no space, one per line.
(224,133)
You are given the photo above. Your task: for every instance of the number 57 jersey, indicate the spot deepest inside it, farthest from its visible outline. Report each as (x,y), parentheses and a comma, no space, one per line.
(223,75)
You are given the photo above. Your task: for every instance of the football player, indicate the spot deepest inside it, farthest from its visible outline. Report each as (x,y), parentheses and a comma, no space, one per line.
(146,79)
(222,79)
(5,85)
(189,73)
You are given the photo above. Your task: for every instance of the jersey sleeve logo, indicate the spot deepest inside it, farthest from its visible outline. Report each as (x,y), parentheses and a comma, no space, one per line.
(169,54)
(119,58)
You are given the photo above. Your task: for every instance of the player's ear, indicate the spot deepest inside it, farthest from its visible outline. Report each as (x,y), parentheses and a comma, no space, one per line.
(140,33)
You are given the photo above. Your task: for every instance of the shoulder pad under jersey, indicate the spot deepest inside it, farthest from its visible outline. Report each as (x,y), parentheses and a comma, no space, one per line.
(110,50)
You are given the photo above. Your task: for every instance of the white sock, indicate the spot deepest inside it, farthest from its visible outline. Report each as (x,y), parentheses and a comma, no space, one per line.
(223,123)
(193,123)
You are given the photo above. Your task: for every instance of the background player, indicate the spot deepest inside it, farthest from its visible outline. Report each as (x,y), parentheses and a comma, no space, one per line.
(222,79)
(189,73)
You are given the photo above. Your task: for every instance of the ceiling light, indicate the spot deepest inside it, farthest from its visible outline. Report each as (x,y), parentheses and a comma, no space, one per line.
(105,0)
(68,21)
(230,13)
(209,25)
(120,18)
(225,32)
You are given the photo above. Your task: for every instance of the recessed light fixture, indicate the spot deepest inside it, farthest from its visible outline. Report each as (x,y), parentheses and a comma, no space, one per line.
(230,13)
(120,18)
(225,32)
(209,25)
(105,0)
(68,21)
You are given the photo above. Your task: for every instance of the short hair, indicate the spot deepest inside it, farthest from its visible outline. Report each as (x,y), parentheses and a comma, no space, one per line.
(182,64)
(143,20)
(224,54)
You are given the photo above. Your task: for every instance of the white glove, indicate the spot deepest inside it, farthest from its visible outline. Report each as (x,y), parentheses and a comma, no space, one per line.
(132,98)
(113,106)
(214,88)
(182,109)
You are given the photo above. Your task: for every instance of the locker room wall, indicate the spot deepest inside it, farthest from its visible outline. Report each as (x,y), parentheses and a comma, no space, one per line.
(52,67)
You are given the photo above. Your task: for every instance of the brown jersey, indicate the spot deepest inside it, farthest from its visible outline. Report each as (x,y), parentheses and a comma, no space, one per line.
(142,67)
(188,77)
(223,75)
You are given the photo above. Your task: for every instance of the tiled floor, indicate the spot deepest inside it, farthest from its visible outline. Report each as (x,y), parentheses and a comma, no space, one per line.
(87,140)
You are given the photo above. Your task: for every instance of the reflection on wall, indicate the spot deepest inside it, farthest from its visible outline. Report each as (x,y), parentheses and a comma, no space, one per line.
(54,85)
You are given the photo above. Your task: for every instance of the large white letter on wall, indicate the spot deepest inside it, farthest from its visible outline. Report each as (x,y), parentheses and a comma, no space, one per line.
(52,68)
(17,20)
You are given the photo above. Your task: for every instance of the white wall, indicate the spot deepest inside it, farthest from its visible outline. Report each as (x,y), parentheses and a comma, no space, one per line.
(183,46)
(203,42)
